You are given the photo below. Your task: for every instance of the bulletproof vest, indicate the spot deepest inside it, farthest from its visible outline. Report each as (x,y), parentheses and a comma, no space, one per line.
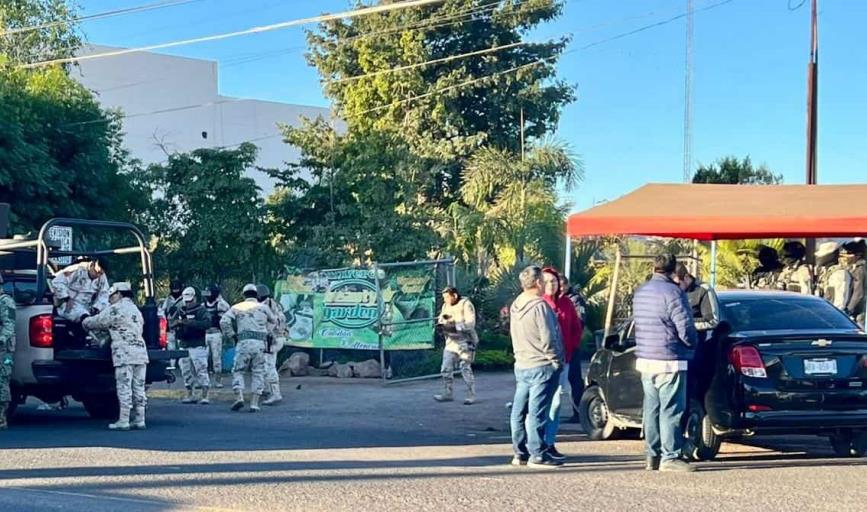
(213,311)
(765,280)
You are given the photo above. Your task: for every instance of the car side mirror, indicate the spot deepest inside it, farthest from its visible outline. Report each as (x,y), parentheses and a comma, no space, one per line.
(612,342)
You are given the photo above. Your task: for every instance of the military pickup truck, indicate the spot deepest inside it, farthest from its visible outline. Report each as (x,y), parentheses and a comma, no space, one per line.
(53,361)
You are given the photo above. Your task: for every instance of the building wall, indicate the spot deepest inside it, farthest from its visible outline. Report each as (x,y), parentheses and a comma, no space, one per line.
(172,104)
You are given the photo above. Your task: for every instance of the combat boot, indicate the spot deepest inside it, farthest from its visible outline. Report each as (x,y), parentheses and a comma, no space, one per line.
(239,401)
(218,381)
(188,399)
(448,394)
(471,395)
(139,423)
(4,406)
(204,400)
(122,422)
(275,397)
(254,403)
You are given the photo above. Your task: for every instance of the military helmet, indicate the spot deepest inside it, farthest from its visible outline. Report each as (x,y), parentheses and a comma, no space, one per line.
(263,291)
(855,247)
(122,286)
(794,251)
(214,290)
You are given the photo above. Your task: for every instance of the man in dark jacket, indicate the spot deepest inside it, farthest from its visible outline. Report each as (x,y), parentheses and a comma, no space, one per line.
(665,337)
(190,325)
(576,380)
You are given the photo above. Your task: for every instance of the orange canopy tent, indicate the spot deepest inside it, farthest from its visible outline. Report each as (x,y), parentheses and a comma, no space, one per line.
(725,212)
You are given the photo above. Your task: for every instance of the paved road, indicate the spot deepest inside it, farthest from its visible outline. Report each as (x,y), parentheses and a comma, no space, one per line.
(337,445)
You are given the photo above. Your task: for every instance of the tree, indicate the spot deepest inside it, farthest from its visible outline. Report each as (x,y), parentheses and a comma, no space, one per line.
(60,153)
(207,216)
(447,122)
(730,170)
(35,30)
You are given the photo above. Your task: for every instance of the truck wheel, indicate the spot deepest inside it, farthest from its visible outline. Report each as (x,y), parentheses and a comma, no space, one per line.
(701,442)
(101,407)
(849,444)
(595,420)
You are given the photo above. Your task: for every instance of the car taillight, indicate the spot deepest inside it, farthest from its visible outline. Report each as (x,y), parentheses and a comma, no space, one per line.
(164,334)
(41,331)
(758,408)
(747,361)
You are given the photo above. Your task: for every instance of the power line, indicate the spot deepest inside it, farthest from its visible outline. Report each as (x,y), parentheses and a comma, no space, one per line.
(100,15)
(254,30)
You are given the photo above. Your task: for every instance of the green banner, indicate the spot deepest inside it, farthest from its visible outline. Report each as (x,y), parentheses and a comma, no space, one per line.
(347,308)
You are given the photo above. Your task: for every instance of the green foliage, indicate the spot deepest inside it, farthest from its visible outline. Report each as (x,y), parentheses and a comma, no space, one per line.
(207,217)
(736,260)
(730,170)
(493,360)
(55,37)
(60,153)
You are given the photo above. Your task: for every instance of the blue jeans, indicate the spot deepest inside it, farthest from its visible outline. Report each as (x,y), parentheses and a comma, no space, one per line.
(553,424)
(664,406)
(533,392)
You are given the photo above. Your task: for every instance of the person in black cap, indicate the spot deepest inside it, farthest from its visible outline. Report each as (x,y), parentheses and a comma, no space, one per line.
(458,323)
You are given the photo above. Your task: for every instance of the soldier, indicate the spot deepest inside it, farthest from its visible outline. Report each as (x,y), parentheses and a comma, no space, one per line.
(248,324)
(7,351)
(275,342)
(216,308)
(796,275)
(80,289)
(169,309)
(129,355)
(458,322)
(766,275)
(190,325)
(857,267)
(833,281)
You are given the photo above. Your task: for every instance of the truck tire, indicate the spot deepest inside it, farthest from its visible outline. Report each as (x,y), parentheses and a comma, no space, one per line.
(700,441)
(101,407)
(593,412)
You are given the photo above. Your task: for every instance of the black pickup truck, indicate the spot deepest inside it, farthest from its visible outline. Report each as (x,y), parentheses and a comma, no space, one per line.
(53,361)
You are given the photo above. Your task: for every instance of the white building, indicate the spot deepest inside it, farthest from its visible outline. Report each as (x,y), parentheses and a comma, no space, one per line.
(172,104)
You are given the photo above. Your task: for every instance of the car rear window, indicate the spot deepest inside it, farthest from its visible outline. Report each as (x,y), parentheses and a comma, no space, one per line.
(768,314)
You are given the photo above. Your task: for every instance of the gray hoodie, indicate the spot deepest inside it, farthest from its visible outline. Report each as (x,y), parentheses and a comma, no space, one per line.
(536,338)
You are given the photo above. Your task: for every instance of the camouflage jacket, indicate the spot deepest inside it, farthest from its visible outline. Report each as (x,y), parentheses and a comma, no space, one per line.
(84,293)
(124,323)
(459,325)
(833,284)
(796,278)
(280,326)
(248,320)
(7,324)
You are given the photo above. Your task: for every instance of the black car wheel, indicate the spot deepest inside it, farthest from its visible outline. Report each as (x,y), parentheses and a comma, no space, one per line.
(593,412)
(701,442)
(101,407)
(849,444)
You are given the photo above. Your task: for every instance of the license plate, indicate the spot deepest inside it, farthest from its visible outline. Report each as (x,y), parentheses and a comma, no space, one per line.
(820,366)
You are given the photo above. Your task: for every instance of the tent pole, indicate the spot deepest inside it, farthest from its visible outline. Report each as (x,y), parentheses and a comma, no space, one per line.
(609,315)
(567,264)
(713,264)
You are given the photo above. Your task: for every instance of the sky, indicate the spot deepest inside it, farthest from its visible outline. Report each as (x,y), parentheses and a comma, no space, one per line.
(749,85)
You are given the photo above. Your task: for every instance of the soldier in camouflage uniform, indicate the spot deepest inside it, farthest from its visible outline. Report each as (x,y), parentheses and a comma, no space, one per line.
(275,342)
(80,290)
(7,351)
(796,276)
(766,275)
(170,308)
(856,265)
(190,325)
(216,308)
(248,324)
(458,323)
(833,281)
(129,355)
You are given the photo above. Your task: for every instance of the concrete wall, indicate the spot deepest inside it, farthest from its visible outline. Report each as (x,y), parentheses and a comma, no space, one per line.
(173,104)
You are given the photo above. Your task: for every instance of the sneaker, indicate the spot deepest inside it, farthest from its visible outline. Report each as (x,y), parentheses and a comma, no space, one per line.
(469,401)
(544,461)
(517,460)
(652,463)
(676,466)
(554,454)
(443,398)
(204,401)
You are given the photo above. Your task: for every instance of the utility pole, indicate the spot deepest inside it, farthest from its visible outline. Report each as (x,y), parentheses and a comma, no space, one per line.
(812,111)
(687,96)
(812,96)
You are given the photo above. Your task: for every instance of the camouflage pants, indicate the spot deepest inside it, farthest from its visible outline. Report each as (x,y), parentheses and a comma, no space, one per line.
(464,360)
(271,375)
(130,380)
(249,355)
(5,377)
(214,341)
(195,368)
